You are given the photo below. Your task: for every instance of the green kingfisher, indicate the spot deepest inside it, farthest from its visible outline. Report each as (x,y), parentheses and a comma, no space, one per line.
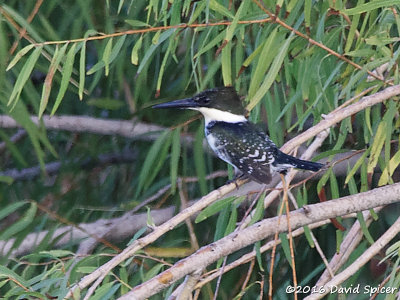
(237,141)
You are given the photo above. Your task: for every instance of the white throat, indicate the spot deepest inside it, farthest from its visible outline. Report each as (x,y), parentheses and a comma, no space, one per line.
(212,114)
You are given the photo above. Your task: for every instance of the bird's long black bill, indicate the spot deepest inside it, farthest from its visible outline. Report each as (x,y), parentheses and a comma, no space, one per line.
(182,103)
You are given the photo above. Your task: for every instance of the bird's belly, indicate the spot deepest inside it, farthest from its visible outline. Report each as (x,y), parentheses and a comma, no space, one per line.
(218,148)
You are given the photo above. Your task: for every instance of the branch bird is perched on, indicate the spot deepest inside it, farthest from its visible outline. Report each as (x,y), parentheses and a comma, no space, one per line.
(237,141)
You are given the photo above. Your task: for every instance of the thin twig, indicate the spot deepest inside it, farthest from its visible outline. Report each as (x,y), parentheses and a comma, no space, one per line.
(276,235)
(350,242)
(286,203)
(22,32)
(316,243)
(246,280)
(147,30)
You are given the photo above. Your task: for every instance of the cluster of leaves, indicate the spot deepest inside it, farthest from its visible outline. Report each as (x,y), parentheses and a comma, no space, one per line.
(119,57)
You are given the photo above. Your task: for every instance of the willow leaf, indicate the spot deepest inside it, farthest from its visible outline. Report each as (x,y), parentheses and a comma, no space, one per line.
(24,76)
(66,76)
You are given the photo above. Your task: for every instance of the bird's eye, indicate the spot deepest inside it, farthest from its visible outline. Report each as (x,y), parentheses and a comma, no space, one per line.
(206,100)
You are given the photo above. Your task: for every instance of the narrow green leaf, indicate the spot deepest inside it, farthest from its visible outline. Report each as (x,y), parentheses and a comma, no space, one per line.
(352,184)
(374,215)
(160,161)
(259,210)
(138,234)
(288,105)
(361,53)
(13,149)
(377,146)
(162,68)
(19,55)
(24,76)
(357,165)
(175,154)
(48,82)
(200,7)
(106,290)
(21,224)
(123,275)
(116,50)
(215,41)
(359,9)
(307,12)
(149,52)
(150,222)
(226,63)
(232,27)
(215,6)
(323,180)
(394,279)
(137,23)
(66,76)
(106,56)
(7,273)
(56,253)
(307,233)
(364,178)
(257,247)
(353,27)
(329,153)
(214,208)
(266,56)
(120,4)
(230,227)
(82,70)
(21,19)
(339,239)
(334,186)
(153,158)
(271,75)
(364,227)
(286,247)
(9,209)
(135,51)
(222,222)
(199,161)
(390,168)
(253,55)
(156,37)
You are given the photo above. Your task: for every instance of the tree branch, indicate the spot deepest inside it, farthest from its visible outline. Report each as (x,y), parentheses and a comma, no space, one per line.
(337,116)
(54,167)
(129,129)
(263,229)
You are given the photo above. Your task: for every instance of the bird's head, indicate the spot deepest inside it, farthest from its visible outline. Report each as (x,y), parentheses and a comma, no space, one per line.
(218,104)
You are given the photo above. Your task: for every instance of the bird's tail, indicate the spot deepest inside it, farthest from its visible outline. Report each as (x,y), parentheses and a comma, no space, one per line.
(299,163)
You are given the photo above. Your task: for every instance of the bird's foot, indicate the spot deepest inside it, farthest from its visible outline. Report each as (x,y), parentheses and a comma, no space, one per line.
(236,178)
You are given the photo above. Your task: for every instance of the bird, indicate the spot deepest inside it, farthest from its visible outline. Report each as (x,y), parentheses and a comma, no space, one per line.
(236,140)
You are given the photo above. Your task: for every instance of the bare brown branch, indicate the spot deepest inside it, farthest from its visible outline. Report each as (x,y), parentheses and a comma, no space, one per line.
(263,229)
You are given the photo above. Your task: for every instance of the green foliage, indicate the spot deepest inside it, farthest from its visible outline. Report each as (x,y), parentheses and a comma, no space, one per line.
(119,57)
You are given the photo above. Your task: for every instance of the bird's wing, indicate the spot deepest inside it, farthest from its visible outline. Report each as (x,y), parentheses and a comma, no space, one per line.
(248,149)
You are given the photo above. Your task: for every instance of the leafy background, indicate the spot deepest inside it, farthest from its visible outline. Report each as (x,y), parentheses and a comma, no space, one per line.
(112,59)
